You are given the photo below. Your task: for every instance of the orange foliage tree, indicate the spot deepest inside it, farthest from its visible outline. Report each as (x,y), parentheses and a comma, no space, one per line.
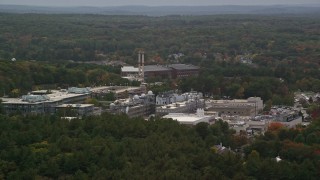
(275,126)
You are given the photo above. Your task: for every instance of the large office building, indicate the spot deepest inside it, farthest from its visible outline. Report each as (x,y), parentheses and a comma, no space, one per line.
(74,109)
(171,102)
(157,71)
(135,106)
(160,71)
(183,70)
(120,92)
(242,107)
(41,102)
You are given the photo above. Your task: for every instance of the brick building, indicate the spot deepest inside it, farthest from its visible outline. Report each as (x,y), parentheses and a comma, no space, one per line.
(173,71)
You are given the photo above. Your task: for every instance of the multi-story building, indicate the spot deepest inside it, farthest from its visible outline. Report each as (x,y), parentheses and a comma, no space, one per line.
(127,71)
(157,71)
(184,70)
(75,109)
(120,92)
(135,106)
(161,71)
(242,107)
(170,102)
(40,103)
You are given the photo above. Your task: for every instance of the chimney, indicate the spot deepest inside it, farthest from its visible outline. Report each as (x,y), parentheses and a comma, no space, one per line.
(139,62)
(142,66)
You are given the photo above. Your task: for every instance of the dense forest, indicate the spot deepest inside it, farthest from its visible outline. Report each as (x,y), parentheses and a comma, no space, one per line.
(92,37)
(17,78)
(53,51)
(284,51)
(115,147)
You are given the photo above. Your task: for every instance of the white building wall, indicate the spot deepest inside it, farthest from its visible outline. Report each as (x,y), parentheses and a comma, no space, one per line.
(258,102)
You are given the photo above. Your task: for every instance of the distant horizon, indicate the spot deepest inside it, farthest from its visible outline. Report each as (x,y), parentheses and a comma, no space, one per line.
(152,3)
(165,9)
(141,5)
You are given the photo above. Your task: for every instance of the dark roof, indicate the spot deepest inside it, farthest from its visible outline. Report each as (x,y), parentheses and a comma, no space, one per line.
(183,67)
(156,68)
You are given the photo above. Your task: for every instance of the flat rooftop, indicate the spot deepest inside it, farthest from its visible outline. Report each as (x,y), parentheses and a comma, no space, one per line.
(40,92)
(236,103)
(232,106)
(184,67)
(188,118)
(58,96)
(116,89)
(75,105)
(230,101)
(129,69)
(174,105)
(149,68)
(16,101)
(101,88)
(53,97)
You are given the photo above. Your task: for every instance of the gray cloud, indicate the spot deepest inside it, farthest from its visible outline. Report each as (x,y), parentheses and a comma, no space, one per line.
(153,2)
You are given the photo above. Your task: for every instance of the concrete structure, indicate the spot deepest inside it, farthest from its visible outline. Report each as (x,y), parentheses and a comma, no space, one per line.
(120,92)
(242,107)
(135,74)
(165,98)
(191,119)
(45,103)
(76,109)
(247,124)
(171,97)
(135,106)
(77,90)
(16,105)
(129,71)
(181,107)
(253,125)
(170,102)
(257,127)
(288,116)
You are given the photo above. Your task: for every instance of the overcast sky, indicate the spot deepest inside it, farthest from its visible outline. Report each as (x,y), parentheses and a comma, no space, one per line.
(153,2)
